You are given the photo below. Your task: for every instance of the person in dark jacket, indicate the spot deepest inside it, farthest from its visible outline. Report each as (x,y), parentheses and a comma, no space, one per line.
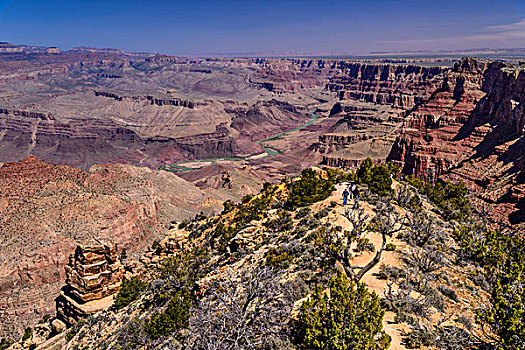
(345,196)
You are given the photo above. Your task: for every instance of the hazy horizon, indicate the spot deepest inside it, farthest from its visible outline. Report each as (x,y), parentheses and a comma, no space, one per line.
(281,27)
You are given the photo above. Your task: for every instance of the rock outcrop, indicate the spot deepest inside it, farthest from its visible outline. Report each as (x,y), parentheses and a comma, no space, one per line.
(94,274)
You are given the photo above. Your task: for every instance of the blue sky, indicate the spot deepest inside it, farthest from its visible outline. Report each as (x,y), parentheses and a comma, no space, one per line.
(181,27)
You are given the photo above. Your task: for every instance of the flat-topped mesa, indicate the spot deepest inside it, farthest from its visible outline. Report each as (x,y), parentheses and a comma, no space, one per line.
(94,275)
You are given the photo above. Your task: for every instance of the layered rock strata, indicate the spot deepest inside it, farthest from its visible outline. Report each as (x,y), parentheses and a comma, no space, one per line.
(471,128)
(94,274)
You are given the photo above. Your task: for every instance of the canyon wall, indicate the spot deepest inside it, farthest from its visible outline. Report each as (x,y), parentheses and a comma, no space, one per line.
(399,85)
(471,129)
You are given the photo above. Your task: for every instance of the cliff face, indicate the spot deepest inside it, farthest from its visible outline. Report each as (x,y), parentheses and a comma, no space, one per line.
(471,128)
(399,85)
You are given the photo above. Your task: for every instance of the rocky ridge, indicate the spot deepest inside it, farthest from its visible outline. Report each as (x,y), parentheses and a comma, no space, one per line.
(292,253)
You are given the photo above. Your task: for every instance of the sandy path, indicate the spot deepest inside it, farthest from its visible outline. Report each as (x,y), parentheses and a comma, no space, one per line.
(388,258)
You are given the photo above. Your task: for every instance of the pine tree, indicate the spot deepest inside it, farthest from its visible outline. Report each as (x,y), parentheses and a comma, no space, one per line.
(346,317)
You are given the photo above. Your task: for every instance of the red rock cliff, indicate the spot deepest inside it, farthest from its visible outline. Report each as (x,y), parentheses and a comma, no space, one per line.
(471,128)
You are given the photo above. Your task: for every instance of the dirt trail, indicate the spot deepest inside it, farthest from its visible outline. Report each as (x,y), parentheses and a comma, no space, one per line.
(388,258)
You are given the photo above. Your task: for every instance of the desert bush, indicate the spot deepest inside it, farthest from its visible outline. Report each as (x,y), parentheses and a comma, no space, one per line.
(422,230)
(303,212)
(5,343)
(404,318)
(391,272)
(322,213)
(420,336)
(401,302)
(390,247)
(454,338)
(130,291)
(434,299)
(348,317)
(310,188)
(283,222)
(242,310)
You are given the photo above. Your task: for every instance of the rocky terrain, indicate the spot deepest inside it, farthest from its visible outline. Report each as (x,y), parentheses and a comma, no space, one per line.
(251,268)
(85,107)
(45,209)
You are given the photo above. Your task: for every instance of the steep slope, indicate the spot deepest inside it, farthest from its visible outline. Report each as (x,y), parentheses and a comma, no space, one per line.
(250,269)
(45,209)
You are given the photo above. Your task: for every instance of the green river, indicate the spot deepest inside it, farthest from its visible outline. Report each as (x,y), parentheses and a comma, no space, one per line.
(270,151)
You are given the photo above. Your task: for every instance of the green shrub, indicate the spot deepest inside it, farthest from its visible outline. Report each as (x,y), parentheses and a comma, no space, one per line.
(338,175)
(451,198)
(390,247)
(380,181)
(174,318)
(348,317)
(377,177)
(228,206)
(364,171)
(278,259)
(184,223)
(74,330)
(27,333)
(155,245)
(502,257)
(187,267)
(129,292)
(364,244)
(222,234)
(310,188)
(5,343)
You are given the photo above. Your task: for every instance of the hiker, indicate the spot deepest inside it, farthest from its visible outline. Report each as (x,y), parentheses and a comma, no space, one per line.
(345,196)
(356,194)
(352,190)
